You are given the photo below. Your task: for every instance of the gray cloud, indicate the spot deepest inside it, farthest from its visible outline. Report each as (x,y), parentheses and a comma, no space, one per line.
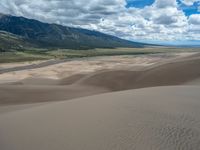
(165,19)
(194,19)
(165,3)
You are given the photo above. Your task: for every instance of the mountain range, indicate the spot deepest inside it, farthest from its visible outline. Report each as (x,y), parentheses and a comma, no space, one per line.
(21,33)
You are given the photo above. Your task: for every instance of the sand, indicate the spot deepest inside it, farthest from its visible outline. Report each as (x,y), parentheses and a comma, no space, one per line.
(159,118)
(170,69)
(173,73)
(148,102)
(55,69)
(25,94)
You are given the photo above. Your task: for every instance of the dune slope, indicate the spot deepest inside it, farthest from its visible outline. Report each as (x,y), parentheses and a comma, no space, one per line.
(174,73)
(31,90)
(160,118)
(24,94)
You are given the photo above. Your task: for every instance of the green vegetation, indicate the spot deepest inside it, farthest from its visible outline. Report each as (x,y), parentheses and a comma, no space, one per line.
(44,54)
(10,42)
(97,52)
(8,57)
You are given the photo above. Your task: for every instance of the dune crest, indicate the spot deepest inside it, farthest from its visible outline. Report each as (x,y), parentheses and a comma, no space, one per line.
(175,71)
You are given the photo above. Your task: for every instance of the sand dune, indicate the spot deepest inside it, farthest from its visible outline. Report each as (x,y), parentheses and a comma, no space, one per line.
(163,118)
(175,73)
(56,69)
(46,81)
(22,94)
(184,70)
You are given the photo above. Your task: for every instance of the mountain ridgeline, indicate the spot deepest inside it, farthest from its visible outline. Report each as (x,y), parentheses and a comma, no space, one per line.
(23,32)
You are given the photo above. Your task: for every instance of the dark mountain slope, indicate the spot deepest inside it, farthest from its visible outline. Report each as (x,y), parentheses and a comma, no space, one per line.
(46,35)
(9,42)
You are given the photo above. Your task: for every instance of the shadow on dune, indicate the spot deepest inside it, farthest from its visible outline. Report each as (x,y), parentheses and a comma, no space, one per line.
(176,73)
(44,90)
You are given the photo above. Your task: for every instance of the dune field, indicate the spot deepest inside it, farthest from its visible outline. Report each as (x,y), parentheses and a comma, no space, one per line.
(144,102)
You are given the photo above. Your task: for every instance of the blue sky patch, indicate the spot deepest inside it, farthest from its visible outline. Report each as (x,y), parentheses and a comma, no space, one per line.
(189,10)
(139,3)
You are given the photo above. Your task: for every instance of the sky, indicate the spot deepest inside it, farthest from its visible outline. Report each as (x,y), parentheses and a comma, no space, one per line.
(138,20)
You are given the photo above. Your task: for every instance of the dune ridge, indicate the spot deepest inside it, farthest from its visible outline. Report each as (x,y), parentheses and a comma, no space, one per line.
(176,73)
(33,90)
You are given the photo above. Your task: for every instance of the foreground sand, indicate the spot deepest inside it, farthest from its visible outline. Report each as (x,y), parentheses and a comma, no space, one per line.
(147,105)
(163,118)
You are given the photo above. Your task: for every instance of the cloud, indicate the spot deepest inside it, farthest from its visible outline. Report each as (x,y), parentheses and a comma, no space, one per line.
(162,20)
(165,3)
(189,2)
(194,19)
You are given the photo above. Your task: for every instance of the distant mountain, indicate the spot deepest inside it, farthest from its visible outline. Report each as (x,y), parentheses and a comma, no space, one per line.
(9,41)
(44,35)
